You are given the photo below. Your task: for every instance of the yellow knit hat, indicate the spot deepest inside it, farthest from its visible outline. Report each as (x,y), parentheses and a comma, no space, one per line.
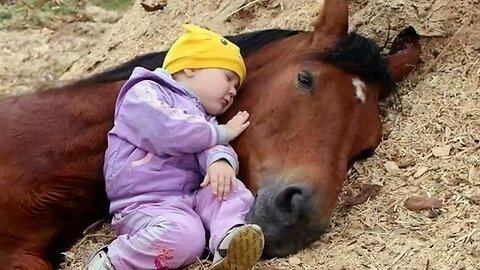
(202,48)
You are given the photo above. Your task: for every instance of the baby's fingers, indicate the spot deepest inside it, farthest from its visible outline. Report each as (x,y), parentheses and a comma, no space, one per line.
(240,117)
(214,184)
(243,115)
(206,181)
(243,126)
(234,184)
(221,187)
(226,188)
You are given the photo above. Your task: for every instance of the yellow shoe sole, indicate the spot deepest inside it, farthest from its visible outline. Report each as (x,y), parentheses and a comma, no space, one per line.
(244,250)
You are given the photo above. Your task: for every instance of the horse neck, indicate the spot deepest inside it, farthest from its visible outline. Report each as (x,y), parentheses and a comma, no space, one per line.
(82,105)
(90,110)
(83,113)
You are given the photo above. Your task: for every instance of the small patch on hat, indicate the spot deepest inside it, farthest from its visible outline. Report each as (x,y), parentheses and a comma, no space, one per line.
(224,41)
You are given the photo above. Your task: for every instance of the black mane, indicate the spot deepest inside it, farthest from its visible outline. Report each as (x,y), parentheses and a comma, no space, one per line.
(248,43)
(353,53)
(361,56)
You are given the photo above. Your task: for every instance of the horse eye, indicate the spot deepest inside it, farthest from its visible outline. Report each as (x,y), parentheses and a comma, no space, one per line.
(305,80)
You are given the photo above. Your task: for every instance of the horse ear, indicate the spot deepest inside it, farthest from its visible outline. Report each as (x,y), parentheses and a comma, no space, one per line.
(404,53)
(404,56)
(331,23)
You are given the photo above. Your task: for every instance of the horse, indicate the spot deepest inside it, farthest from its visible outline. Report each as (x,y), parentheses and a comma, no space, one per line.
(314,100)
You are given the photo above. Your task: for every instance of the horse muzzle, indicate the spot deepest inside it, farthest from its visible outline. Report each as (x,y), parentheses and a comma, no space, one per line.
(289,216)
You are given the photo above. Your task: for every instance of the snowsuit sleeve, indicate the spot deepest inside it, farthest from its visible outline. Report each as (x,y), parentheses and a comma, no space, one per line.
(146,118)
(215,153)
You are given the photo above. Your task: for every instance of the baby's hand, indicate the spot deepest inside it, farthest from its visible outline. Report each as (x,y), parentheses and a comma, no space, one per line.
(221,177)
(237,125)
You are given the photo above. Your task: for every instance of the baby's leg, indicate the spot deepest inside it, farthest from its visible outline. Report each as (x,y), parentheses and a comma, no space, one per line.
(220,216)
(162,236)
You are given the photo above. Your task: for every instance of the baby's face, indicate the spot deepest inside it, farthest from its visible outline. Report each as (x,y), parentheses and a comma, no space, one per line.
(215,87)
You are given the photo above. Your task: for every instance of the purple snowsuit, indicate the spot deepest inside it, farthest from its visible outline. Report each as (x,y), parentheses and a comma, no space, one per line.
(158,151)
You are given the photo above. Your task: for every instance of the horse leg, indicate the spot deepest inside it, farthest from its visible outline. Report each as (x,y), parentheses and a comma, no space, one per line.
(24,262)
(32,262)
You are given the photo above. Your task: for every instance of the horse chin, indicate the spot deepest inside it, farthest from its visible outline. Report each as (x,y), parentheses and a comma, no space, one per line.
(289,217)
(290,240)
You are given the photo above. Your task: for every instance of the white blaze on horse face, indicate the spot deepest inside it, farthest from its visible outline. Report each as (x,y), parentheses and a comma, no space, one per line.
(359,89)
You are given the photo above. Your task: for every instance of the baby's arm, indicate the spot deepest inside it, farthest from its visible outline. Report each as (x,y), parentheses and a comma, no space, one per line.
(146,119)
(216,153)
(219,175)
(219,165)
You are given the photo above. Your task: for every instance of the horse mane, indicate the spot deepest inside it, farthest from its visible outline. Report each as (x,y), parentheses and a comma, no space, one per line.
(361,56)
(248,43)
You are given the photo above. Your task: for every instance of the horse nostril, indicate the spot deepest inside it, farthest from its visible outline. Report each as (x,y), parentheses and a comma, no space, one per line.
(291,200)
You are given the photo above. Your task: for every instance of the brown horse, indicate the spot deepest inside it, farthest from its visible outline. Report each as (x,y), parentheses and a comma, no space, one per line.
(313,99)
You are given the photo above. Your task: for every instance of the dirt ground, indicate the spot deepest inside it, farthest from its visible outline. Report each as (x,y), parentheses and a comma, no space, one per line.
(431,148)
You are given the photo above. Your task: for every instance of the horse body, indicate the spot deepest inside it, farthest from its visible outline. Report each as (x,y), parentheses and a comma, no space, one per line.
(52,150)
(313,99)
